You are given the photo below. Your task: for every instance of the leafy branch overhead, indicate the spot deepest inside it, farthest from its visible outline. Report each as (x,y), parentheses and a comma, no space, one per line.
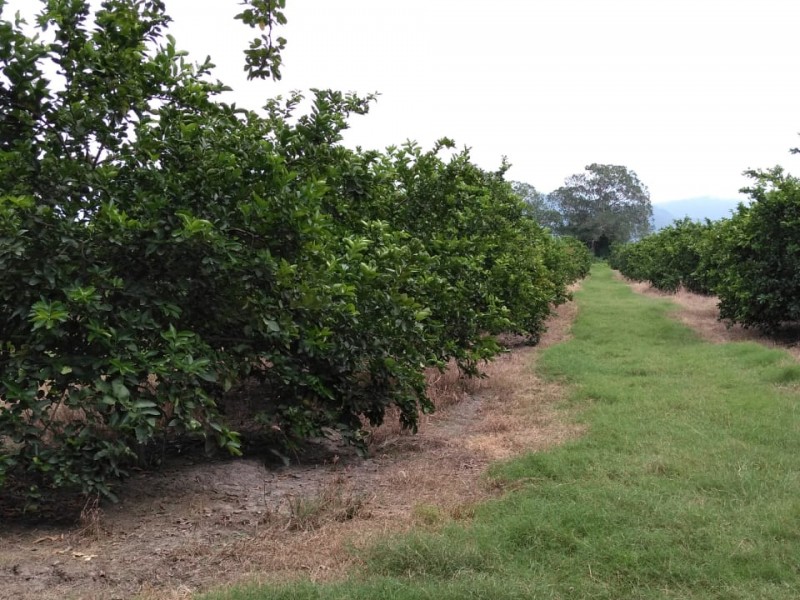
(263,57)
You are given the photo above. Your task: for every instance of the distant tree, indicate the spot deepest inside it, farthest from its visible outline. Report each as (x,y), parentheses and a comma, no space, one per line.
(538,206)
(606,205)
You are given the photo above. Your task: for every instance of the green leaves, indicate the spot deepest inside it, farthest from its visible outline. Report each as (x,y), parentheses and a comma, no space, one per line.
(161,250)
(193,227)
(263,57)
(48,314)
(120,391)
(675,256)
(758,256)
(749,261)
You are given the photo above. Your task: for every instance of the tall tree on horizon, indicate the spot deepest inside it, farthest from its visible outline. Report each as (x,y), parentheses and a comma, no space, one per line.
(606,205)
(538,205)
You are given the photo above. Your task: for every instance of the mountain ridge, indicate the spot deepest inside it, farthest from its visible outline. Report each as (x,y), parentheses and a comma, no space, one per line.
(698,209)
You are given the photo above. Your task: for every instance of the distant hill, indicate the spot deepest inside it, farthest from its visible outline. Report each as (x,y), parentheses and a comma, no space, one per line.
(697,209)
(661,217)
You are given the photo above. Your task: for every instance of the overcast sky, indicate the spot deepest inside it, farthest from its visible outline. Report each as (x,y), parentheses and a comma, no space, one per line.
(687,93)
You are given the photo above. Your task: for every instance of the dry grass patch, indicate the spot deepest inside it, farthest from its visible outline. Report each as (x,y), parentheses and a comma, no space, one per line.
(445,389)
(336,502)
(519,418)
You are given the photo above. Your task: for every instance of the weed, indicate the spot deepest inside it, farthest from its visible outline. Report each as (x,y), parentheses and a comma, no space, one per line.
(335,502)
(91,519)
(427,515)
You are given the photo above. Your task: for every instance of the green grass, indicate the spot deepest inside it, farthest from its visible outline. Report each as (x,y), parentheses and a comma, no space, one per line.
(686,485)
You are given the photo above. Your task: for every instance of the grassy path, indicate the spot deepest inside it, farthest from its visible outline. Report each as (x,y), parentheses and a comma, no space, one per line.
(687,484)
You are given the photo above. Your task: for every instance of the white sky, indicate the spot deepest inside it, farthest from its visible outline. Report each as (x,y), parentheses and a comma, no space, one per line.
(687,93)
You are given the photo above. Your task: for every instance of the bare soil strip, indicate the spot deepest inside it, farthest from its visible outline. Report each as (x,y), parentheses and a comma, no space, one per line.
(193,525)
(701,314)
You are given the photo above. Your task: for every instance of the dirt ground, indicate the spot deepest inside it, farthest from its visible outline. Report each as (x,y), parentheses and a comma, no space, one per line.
(701,314)
(194,524)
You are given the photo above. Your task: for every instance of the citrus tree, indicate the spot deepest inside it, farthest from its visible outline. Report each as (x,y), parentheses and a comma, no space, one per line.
(162,250)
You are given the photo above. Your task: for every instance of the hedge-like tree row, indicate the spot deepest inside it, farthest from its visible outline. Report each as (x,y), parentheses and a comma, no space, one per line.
(751,261)
(160,249)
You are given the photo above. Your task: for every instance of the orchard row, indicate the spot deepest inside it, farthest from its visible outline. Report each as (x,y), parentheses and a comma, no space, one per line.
(751,261)
(164,253)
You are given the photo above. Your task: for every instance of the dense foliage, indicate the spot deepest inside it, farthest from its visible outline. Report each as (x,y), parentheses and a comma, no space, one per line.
(570,259)
(759,282)
(750,261)
(160,249)
(539,206)
(669,259)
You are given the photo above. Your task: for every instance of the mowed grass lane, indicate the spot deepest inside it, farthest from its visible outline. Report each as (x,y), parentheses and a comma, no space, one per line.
(686,484)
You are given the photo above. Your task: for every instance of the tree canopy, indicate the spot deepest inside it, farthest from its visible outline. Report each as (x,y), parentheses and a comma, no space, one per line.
(750,261)
(607,204)
(538,205)
(165,255)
